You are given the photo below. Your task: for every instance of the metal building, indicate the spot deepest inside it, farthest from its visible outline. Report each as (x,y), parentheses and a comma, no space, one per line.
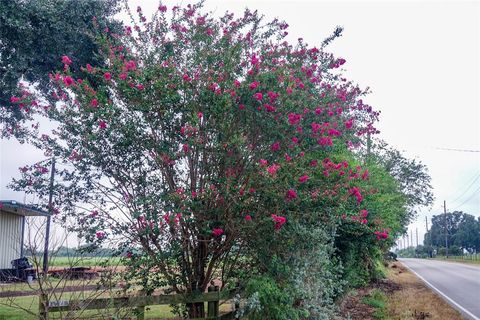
(12,228)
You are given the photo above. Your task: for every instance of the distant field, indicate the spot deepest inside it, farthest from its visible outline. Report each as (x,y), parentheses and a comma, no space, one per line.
(84,261)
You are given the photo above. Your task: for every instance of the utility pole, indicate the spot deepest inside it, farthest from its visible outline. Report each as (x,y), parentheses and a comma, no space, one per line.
(426,226)
(416,231)
(50,211)
(446,236)
(411,238)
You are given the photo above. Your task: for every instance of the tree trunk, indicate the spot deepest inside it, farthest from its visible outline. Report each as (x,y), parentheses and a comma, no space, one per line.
(196,310)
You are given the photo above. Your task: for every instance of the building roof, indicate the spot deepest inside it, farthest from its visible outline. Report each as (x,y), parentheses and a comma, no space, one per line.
(15,207)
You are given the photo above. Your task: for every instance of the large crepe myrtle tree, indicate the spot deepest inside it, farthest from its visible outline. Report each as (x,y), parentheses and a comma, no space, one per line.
(205,138)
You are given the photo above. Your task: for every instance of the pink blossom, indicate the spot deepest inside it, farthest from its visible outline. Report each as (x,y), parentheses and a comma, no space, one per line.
(334,133)
(363,213)
(364,221)
(200,21)
(162,8)
(200,115)
(272,170)
(185,148)
(325,141)
(248,217)
(93,214)
(294,118)
(349,124)
(241,107)
(217,232)
(303,178)
(14,99)
(258,96)
(253,85)
(107,76)
(316,127)
(130,65)
(263,162)
(94,103)
(291,195)
(272,95)
(279,221)
(313,163)
(287,157)
(102,124)
(270,108)
(100,235)
(275,146)
(68,81)
(122,76)
(365,175)
(139,86)
(186,78)
(66,60)
(295,140)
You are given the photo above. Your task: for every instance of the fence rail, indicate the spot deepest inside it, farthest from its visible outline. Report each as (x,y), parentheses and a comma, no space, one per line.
(139,303)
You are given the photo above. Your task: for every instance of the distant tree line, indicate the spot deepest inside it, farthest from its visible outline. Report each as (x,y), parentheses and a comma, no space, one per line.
(462,231)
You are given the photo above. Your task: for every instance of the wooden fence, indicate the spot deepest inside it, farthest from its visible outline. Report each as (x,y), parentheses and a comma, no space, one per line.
(213,297)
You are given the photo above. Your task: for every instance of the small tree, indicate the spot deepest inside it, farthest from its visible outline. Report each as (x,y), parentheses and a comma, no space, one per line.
(203,144)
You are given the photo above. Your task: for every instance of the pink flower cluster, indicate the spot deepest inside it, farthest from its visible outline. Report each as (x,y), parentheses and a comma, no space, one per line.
(381,235)
(279,221)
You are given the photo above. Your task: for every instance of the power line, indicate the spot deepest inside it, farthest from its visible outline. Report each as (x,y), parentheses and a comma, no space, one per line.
(458,150)
(468,199)
(468,188)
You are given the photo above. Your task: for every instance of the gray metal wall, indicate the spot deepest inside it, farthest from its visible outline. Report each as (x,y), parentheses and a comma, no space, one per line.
(10,238)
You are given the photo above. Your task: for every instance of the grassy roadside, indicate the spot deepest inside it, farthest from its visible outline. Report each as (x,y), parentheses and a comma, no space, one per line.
(415,300)
(401,296)
(459,260)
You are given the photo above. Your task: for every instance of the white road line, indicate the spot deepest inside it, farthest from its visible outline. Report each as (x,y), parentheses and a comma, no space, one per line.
(462,309)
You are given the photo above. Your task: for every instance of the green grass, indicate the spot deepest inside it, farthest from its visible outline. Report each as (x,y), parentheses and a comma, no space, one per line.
(464,259)
(84,261)
(30,303)
(377,300)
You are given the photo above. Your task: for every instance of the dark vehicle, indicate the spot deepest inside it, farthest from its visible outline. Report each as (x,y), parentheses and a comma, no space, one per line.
(20,271)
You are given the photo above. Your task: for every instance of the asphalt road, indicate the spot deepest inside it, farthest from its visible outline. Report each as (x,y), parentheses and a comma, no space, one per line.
(457,283)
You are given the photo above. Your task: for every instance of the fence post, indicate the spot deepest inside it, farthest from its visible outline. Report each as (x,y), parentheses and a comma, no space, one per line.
(43,306)
(140,312)
(212,307)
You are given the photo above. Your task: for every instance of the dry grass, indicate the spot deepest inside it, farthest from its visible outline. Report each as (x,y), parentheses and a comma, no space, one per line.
(415,300)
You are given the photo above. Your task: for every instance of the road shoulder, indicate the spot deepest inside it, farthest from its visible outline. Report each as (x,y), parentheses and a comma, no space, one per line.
(400,296)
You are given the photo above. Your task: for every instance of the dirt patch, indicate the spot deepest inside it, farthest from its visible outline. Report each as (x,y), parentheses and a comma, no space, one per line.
(353,308)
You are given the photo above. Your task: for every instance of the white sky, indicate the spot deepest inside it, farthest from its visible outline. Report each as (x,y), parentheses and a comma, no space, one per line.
(422,63)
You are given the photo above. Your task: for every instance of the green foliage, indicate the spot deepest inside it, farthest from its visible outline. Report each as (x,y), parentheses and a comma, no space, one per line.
(276,302)
(221,151)
(35,34)
(377,300)
(462,230)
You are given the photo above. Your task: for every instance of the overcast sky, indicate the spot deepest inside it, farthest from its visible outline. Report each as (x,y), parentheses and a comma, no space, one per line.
(421,61)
